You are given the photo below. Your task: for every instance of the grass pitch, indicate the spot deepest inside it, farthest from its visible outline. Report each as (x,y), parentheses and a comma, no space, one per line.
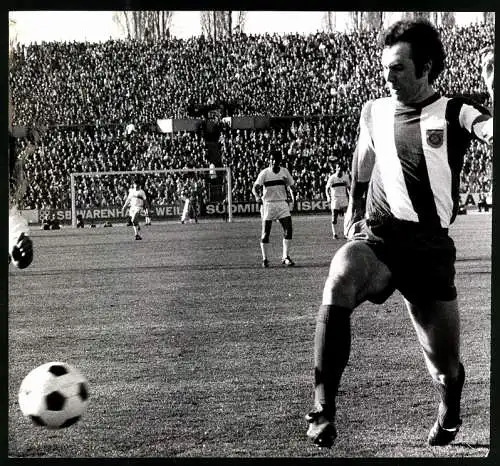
(191,349)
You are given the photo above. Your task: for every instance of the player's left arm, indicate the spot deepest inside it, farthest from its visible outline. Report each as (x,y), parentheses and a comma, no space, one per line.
(348,184)
(289,183)
(327,188)
(478,123)
(482,126)
(125,205)
(292,195)
(146,202)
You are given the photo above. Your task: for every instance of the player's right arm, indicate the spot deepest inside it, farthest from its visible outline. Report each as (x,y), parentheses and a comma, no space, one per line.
(257,188)
(362,166)
(126,204)
(328,187)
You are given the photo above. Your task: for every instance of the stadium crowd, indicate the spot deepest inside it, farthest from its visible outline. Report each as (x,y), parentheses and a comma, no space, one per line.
(89,93)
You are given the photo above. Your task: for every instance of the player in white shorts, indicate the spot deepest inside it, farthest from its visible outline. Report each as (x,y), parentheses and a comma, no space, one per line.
(138,203)
(272,187)
(337,192)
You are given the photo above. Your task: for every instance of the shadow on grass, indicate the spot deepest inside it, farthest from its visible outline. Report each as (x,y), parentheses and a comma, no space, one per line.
(175,267)
(469,445)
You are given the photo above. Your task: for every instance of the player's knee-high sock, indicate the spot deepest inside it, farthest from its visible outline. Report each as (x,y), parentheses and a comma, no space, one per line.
(450,394)
(185,211)
(337,229)
(286,247)
(264,247)
(332,345)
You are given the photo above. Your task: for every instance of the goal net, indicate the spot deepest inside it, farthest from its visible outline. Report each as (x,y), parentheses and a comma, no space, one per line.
(99,196)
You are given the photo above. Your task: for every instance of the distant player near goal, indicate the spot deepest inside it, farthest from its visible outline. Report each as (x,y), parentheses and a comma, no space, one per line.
(139,205)
(337,191)
(272,187)
(190,197)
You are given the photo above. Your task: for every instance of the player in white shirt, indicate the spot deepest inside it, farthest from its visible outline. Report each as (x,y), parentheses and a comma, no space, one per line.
(138,203)
(337,192)
(272,187)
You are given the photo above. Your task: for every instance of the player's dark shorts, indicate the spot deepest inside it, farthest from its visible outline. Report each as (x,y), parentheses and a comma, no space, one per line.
(421,260)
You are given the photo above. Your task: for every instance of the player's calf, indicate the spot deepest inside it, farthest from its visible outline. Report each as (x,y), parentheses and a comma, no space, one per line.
(448,421)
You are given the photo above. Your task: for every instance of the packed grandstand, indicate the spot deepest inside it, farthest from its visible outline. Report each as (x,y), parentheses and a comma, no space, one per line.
(100,102)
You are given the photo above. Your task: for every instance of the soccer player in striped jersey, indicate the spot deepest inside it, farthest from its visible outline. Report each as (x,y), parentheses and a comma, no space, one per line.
(337,192)
(273,188)
(404,196)
(138,203)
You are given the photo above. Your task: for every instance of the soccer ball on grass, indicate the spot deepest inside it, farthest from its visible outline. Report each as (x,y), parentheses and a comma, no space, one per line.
(54,395)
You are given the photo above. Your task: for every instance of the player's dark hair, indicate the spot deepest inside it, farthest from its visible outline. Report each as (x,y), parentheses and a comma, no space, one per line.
(424,41)
(277,154)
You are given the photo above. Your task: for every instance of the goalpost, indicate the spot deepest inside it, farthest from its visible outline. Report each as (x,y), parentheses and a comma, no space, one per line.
(181,171)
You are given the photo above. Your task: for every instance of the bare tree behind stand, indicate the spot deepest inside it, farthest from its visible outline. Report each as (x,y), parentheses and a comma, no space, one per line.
(366,20)
(144,25)
(489,17)
(448,18)
(241,19)
(329,21)
(219,24)
(420,15)
(12,33)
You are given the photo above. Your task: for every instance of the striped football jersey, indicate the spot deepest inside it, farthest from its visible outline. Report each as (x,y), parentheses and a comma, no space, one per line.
(274,184)
(137,198)
(338,186)
(417,154)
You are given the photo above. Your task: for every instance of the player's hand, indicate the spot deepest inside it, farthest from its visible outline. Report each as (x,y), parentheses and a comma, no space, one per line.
(258,200)
(485,130)
(488,68)
(351,218)
(22,253)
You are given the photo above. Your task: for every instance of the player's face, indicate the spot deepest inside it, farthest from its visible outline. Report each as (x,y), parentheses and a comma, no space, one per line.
(400,74)
(275,160)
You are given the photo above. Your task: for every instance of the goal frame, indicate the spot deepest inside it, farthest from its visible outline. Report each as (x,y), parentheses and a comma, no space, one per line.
(225,169)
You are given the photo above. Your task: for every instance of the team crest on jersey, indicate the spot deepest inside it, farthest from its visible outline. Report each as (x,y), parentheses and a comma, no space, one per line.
(435,137)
